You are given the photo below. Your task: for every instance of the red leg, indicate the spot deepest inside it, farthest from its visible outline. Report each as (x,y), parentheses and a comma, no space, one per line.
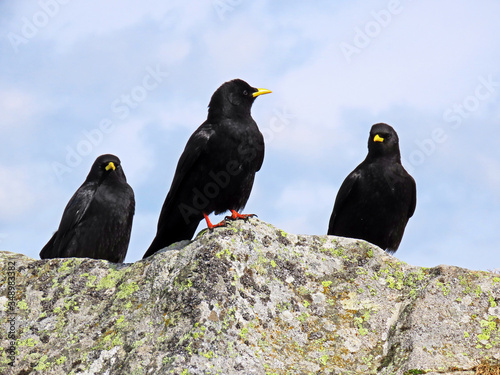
(212,226)
(236,216)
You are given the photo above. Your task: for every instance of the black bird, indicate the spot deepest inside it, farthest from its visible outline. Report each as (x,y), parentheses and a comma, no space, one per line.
(97,220)
(376,200)
(215,173)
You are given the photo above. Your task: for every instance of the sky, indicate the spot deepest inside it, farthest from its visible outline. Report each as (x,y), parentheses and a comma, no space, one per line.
(133,78)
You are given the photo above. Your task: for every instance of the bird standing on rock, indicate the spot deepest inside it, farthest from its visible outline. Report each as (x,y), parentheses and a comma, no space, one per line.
(376,200)
(97,220)
(215,173)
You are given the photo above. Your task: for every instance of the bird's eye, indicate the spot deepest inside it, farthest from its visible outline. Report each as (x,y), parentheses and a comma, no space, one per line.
(245,92)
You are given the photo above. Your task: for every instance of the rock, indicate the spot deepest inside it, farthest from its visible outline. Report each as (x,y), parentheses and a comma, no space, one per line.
(247,299)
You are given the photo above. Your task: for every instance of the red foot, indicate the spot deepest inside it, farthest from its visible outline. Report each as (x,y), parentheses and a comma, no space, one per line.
(212,226)
(236,216)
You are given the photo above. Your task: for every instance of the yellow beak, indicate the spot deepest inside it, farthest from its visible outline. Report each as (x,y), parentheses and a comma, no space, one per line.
(110,166)
(261,92)
(378,138)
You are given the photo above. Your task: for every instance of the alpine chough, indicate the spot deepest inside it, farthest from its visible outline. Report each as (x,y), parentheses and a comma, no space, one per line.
(376,200)
(216,170)
(97,220)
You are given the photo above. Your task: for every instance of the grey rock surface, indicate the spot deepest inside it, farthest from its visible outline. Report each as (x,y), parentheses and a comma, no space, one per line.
(247,299)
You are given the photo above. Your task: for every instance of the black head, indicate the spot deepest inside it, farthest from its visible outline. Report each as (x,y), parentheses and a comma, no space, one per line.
(234,99)
(106,166)
(383,141)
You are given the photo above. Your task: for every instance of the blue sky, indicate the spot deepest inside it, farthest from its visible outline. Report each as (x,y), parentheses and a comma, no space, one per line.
(80,79)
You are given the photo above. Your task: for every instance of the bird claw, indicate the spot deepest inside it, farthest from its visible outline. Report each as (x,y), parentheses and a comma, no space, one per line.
(212,226)
(221,224)
(235,216)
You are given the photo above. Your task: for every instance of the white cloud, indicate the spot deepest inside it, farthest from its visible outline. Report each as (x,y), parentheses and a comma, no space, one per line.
(21,109)
(306,206)
(17,195)
(426,59)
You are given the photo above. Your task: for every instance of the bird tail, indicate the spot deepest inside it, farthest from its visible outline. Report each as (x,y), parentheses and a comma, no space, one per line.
(48,251)
(172,227)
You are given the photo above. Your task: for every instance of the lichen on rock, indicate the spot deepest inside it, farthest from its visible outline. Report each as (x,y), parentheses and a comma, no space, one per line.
(250,299)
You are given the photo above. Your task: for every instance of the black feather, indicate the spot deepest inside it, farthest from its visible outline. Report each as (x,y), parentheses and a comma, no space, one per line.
(97,220)
(216,171)
(376,200)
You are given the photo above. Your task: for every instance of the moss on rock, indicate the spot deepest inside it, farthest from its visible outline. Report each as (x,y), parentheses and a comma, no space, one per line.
(250,298)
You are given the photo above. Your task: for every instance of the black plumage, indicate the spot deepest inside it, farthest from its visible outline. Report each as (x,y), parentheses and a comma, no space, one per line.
(216,170)
(376,200)
(97,220)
